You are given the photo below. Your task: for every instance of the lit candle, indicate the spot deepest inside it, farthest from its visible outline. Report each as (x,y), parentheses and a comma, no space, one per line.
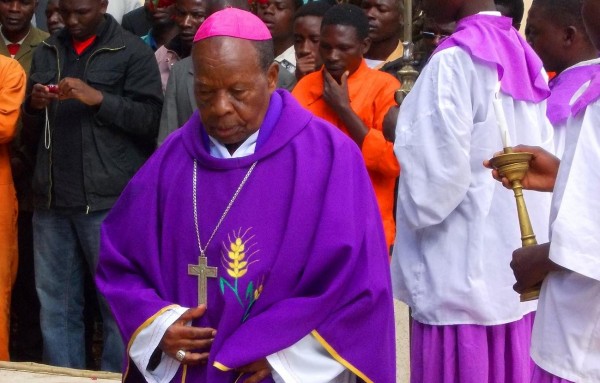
(501,118)
(408,20)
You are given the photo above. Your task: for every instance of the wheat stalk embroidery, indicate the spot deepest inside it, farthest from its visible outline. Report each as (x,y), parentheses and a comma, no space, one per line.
(236,259)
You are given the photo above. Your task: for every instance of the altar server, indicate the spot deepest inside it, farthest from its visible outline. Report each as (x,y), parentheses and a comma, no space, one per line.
(455,226)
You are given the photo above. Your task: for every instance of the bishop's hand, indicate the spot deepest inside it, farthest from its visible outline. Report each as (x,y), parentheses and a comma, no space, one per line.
(195,341)
(259,370)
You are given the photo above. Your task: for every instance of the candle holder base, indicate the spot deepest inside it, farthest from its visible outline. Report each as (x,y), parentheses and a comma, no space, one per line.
(531,294)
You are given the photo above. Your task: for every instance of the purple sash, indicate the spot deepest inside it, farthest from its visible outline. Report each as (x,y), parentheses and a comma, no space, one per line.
(493,39)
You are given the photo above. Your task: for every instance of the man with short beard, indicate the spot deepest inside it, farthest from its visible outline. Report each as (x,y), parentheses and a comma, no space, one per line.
(188,15)
(19,37)
(385,28)
(53,18)
(278,16)
(355,98)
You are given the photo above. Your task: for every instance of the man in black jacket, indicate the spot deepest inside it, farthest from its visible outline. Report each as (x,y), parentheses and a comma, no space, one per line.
(92,111)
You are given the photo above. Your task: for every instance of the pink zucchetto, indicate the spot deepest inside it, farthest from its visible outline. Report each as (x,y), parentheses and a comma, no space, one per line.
(233,22)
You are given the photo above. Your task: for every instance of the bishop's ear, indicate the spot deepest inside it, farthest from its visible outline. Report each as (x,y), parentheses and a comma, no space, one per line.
(272,76)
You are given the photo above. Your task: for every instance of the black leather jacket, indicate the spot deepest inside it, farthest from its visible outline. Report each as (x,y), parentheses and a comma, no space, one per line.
(119,135)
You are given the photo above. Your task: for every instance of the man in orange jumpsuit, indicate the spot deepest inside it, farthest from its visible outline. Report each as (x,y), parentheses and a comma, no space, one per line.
(12,91)
(355,98)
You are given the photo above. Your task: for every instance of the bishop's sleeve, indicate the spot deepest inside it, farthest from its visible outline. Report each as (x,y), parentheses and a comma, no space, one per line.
(433,142)
(128,273)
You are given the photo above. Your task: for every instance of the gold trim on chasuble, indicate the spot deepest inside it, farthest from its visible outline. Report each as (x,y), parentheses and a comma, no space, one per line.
(184,373)
(221,366)
(137,332)
(339,358)
(329,349)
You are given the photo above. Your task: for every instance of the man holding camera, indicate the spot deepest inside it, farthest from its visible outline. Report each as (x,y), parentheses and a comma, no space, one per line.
(92,131)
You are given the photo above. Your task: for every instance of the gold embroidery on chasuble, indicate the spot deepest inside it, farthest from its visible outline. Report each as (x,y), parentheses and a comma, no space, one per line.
(238,254)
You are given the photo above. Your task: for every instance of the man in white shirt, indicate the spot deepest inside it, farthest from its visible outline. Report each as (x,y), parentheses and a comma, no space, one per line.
(566,334)
(456,228)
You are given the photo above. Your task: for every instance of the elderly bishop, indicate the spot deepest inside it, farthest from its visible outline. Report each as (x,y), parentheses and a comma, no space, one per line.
(273,210)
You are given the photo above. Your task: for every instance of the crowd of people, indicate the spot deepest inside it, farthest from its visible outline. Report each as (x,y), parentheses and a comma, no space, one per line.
(228,191)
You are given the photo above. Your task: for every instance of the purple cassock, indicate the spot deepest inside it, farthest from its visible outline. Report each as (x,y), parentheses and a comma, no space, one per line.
(492,39)
(563,89)
(301,251)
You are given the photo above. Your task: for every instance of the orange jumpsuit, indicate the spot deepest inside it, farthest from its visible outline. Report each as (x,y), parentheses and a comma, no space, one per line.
(12,91)
(371,95)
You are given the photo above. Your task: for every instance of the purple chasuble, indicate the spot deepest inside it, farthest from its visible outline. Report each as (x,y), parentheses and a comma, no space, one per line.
(493,39)
(563,88)
(301,251)
(591,94)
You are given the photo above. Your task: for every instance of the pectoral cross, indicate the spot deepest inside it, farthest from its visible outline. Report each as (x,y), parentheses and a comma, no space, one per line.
(203,271)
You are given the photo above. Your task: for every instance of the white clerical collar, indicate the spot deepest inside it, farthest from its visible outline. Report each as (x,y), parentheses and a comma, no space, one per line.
(490,13)
(247,148)
(583,63)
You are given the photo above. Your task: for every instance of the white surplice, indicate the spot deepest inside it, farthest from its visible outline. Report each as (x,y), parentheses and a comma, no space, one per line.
(566,333)
(456,226)
(307,361)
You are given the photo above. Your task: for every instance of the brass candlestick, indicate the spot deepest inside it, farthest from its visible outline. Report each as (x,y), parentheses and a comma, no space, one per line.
(408,74)
(513,166)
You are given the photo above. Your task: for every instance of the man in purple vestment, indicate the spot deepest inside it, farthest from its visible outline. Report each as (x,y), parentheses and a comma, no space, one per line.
(249,248)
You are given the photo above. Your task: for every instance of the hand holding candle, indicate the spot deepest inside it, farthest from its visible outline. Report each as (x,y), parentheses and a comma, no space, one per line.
(501,118)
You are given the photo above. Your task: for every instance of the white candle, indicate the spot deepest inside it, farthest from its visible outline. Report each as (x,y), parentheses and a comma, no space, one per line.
(501,118)
(408,20)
